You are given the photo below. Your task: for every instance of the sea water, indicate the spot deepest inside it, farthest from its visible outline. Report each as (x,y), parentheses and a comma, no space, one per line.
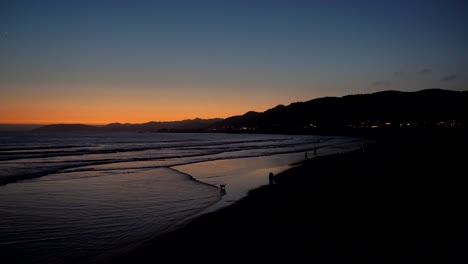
(88,197)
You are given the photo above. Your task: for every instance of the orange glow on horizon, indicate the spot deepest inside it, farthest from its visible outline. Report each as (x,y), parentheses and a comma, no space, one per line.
(97,112)
(86,104)
(97,116)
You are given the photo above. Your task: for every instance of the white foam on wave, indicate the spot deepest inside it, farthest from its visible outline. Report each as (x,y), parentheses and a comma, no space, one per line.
(88,216)
(125,188)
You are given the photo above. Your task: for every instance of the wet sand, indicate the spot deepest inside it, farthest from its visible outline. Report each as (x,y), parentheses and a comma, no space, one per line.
(401,200)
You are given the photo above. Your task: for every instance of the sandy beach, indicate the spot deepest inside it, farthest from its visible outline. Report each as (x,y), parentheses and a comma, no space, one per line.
(400,200)
(233,131)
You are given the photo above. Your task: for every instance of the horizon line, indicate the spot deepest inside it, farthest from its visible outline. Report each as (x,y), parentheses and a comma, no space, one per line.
(111,122)
(102,124)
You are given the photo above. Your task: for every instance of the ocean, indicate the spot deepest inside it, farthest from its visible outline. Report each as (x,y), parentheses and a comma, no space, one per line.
(88,197)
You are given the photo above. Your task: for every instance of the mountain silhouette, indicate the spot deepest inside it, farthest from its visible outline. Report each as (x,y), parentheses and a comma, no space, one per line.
(192,125)
(424,108)
(67,128)
(387,109)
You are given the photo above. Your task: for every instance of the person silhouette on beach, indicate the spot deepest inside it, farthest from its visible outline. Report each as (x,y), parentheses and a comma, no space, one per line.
(306,155)
(222,189)
(271,178)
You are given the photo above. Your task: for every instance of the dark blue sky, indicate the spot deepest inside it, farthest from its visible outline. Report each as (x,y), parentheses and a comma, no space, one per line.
(232,56)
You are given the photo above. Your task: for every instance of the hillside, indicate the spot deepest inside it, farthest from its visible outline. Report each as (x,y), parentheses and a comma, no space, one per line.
(67,128)
(426,108)
(387,109)
(193,125)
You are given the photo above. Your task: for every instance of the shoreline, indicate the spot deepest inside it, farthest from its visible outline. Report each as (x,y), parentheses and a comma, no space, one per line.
(223,203)
(138,204)
(253,171)
(387,203)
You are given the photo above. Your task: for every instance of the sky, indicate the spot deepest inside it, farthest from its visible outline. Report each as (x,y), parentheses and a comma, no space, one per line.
(97,62)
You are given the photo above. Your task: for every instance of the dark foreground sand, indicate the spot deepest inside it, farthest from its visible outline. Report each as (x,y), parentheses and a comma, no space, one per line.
(403,200)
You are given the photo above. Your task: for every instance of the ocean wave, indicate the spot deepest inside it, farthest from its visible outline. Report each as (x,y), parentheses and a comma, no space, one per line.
(38,160)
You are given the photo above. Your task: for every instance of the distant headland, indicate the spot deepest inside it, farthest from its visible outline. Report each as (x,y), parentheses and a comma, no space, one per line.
(430,108)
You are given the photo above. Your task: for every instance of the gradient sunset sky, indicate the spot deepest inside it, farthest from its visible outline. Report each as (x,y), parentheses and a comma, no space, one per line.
(98,62)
